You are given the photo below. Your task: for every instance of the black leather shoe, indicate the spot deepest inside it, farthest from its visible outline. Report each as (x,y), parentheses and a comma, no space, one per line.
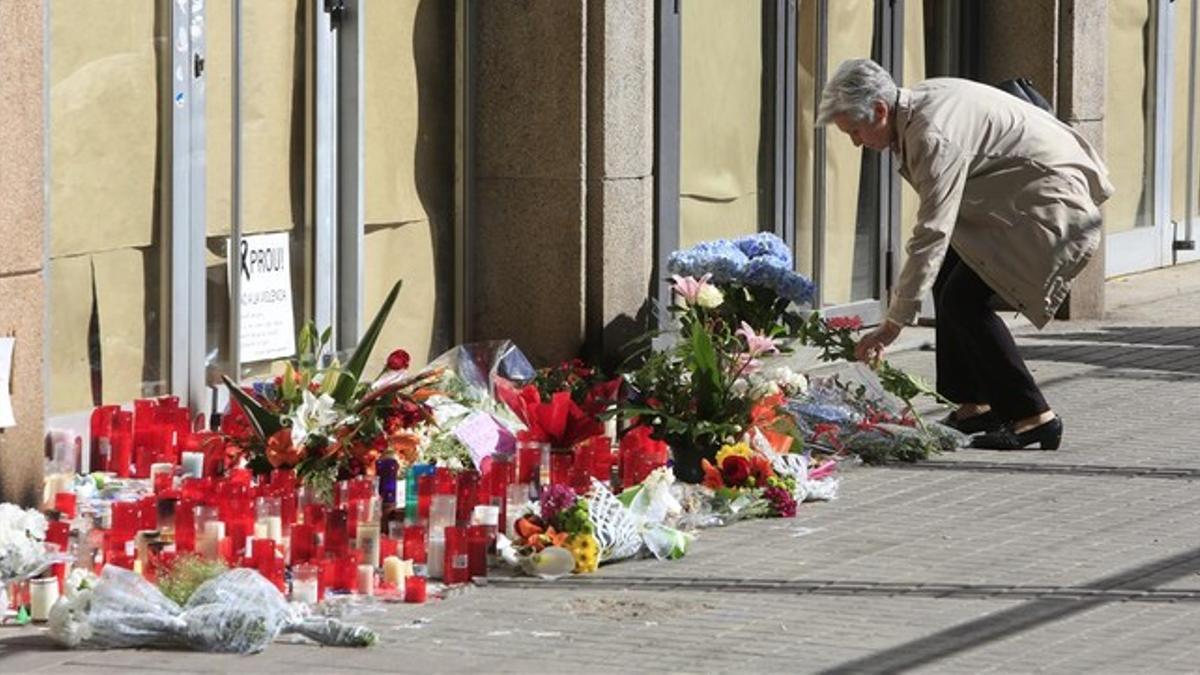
(988,421)
(1047,435)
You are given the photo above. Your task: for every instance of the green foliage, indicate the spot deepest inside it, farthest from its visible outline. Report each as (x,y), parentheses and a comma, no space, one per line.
(188,573)
(347,383)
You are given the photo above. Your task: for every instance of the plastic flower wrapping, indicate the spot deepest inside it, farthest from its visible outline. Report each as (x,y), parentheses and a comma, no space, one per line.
(23,551)
(238,611)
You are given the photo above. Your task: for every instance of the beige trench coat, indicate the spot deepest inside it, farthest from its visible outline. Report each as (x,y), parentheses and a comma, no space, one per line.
(1014,190)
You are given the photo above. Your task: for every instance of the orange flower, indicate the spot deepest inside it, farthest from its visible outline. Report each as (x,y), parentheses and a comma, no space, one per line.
(760,468)
(764,415)
(406,445)
(280,450)
(712,477)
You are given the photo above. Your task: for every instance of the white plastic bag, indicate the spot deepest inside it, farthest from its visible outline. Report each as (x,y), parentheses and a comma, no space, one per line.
(238,611)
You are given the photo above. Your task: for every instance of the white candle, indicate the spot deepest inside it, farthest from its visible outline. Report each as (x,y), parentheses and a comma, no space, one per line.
(42,595)
(215,529)
(161,467)
(366,579)
(304,590)
(193,464)
(395,571)
(275,528)
(208,544)
(366,540)
(437,557)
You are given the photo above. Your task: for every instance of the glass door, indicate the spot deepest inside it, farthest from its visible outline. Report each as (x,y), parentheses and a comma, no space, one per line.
(1138,111)
(847,198)
(259,157)
(726,122)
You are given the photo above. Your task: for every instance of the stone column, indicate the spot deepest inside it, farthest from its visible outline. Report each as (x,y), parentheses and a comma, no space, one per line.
(1082,69)
(22,222)
(1019,38)
(620,165)
(529,243)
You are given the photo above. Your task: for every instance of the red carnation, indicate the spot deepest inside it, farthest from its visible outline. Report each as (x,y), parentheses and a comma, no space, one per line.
(844,323)
(398,360)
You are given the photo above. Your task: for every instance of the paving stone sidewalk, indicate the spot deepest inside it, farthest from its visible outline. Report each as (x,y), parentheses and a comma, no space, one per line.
(1085,559)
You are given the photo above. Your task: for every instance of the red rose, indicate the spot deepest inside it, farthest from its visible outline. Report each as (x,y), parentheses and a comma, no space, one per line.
(398,360)
(735,469)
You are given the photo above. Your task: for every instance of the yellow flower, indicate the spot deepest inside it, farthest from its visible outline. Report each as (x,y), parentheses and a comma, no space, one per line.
(586,551)
(738,450)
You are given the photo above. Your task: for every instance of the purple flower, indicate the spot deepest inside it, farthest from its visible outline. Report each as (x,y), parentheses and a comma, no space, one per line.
(556,499)
(782,501)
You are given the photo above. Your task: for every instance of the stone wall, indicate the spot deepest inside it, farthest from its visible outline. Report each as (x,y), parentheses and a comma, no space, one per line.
(22,222)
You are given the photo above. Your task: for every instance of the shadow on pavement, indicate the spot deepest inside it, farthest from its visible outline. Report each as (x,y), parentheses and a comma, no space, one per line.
(1025,617)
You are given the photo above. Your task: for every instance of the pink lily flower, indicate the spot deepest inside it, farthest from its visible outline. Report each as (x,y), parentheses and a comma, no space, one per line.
(688,288)
(756,344)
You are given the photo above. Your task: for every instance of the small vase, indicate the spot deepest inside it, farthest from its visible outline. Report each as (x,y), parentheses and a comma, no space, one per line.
(686,457)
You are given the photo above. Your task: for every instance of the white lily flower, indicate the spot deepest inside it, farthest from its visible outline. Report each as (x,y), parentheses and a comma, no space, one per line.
(313,415)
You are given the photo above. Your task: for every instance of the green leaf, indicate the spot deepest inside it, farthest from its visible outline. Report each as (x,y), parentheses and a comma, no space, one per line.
(288,382)
(706,375)
(265,422)
(354,367)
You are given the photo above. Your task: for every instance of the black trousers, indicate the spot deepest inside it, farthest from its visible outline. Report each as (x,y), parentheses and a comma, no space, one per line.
(977,360)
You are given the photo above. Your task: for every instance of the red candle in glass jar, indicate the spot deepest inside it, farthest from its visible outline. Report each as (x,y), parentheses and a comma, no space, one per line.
(185,526)
(262,552)
(348,571)
(58,532)
(425,486)
(414,544)
(529,461)
(560,467)
(314,514)
(468,496)
(121,460)
(101,424)
(479,540)
(149,513)
(337,535)
(143,413)
(414,589)
(457,562)
(126,518)
(64,503)
(303,543)
(388,546)
(445,481)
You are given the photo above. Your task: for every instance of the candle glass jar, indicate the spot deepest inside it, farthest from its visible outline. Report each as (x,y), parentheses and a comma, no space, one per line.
(456,560)
(268,518)
(306,583)
(43,593)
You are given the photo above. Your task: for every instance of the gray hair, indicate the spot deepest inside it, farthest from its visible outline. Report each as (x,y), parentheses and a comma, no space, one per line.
(853,90)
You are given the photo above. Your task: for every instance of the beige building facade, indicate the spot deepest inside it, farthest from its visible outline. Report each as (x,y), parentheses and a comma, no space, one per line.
(522,166)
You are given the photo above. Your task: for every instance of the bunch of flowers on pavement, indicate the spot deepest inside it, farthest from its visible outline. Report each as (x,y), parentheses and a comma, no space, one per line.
(320,418)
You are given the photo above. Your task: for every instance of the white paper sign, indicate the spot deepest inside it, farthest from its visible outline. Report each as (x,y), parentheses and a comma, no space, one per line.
(6,411)
(267,329)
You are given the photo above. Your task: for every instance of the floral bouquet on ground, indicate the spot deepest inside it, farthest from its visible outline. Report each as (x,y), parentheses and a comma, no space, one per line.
(834,337)
(746,485)
(563,522)
(23,550)
(750,279)
(322,419)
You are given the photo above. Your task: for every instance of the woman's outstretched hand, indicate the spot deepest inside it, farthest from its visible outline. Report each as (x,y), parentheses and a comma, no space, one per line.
(872,345)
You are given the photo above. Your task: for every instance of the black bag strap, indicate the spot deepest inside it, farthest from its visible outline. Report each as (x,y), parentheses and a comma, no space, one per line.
(1023,89)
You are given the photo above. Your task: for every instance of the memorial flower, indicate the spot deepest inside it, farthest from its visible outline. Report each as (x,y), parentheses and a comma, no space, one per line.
(323,418)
